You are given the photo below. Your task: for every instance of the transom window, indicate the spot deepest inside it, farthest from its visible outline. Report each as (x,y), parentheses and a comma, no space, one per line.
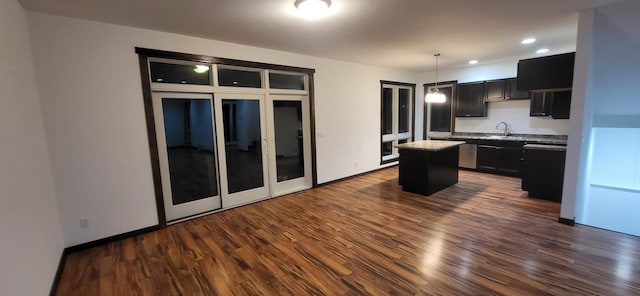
(165,71)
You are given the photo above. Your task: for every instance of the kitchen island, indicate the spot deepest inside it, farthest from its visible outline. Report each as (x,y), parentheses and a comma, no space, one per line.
(429,166)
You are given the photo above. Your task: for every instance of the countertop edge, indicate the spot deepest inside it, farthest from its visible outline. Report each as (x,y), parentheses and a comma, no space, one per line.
(447,144)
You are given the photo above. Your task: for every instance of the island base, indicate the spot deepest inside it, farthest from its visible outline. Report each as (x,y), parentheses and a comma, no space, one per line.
(427,172)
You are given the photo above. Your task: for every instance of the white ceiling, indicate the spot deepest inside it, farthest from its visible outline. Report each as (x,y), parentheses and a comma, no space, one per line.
(402,34)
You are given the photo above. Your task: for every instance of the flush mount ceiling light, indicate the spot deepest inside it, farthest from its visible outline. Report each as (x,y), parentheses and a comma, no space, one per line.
(313,9)
(542,50)
(528,40)
(434,95)
(201,69)
(473,62)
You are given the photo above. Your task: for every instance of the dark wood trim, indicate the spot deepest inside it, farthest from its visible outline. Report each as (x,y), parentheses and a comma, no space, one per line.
(425,118)
(355,176)
(413,114)
(151,138)
(389,161)
(566,221)
(397,83)
(312,121)
(106,240)
(56,277)
(154,53)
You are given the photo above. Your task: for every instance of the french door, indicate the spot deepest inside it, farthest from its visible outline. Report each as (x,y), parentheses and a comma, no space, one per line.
(243,150)
(187,153)
(289,141)
(225,150)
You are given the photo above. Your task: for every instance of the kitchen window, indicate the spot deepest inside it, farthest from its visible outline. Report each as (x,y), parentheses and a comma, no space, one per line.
(396,117)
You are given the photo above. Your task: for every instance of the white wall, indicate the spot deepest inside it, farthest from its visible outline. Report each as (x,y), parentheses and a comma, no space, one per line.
(608,195)
(515,113)
(30,238)
(94,117)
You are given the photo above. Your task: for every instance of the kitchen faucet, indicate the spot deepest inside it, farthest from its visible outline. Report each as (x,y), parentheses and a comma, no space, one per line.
(506,128)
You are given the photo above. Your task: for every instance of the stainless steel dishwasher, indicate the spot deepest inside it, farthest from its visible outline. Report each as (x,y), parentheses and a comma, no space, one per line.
(468,156)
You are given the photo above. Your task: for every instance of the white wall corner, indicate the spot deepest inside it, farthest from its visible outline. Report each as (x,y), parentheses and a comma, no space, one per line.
(576,164)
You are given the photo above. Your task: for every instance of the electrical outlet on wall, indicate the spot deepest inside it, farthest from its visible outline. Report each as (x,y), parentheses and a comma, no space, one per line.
(84,222)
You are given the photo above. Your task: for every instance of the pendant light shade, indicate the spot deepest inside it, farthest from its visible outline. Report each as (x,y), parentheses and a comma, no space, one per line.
(434,95)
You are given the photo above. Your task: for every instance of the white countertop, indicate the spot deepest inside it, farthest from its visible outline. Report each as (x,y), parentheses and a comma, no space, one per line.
(430,145)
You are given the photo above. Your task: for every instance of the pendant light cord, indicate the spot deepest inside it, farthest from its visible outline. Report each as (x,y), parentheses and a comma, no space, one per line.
(436,55)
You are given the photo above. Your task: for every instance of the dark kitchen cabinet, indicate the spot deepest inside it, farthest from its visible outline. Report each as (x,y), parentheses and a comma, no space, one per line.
(500,157)
(512,92)
(494,90)
(556,104)
(470,100)
(540,104)
(543,171)
(561,105)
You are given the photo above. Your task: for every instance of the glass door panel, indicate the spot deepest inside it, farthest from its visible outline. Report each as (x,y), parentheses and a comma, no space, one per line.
(243,145)
(241,127)
(186,148)
(289,130)
(287,117)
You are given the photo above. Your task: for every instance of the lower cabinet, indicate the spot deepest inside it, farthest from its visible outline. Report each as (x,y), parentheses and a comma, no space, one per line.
(543,171)
(500,158)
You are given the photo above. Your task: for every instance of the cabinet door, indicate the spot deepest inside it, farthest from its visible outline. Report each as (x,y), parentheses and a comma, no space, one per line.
(487,157)
(462,100)
(540,104)
(544,173)
(494,90)
(561,105)
(470,100)
(512,92)
(509,160)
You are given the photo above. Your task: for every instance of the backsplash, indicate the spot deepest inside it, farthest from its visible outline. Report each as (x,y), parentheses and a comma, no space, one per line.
(516,115)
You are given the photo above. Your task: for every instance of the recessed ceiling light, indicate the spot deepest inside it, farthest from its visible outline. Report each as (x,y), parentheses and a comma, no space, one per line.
(313,9)
(542,50)
(473,62)
(528,40)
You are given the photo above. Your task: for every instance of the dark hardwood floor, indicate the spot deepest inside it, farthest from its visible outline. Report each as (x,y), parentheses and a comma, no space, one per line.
(364,236)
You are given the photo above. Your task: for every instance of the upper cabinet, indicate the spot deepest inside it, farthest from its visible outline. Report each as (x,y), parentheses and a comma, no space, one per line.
(540,104)
(494,90)
(470,101)
(561,105)
(550,73)
(512,92)
(554,104)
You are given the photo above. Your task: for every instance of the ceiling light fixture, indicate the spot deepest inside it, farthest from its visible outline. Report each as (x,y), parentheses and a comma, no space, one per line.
(473,62)
(528,40)
(313,9)
(542,50)
(201,69)
(434,95)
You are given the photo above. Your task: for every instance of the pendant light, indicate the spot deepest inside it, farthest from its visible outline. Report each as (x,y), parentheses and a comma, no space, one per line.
(434,95)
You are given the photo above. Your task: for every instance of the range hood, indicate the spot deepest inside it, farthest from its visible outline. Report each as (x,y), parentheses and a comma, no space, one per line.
(546,74)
